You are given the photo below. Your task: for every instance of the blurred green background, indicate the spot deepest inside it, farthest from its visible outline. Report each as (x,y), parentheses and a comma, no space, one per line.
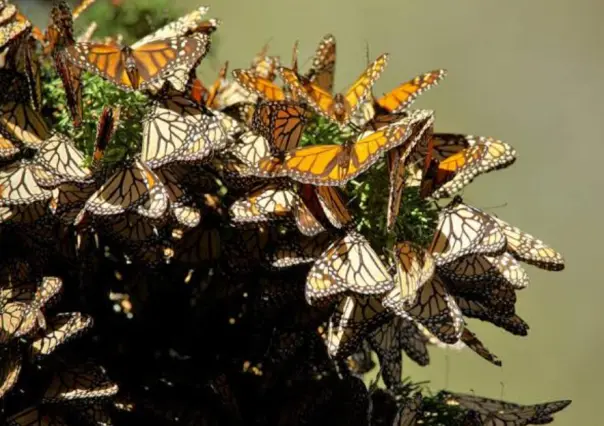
(527,72)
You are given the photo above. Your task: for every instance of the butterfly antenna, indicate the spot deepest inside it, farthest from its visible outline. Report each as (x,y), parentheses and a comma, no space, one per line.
(502,390)
(367,60)
(295,57)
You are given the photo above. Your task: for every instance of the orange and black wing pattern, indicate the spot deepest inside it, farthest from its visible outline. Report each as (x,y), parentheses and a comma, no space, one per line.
(323,66)
(263,87)
(401,97)
(133,69)
(341,107)
(281,123)
(334,165)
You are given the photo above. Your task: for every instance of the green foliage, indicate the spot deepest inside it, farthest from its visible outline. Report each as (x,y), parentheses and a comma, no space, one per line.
(96,94)
(133,19)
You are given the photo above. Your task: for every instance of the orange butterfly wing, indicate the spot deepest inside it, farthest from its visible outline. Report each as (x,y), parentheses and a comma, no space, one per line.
(334,165)
(263,87)
(401,97)
(438,173)
(361,89)
(102,59)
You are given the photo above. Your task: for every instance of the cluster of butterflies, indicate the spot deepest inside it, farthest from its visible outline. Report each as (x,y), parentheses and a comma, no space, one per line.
(224,193)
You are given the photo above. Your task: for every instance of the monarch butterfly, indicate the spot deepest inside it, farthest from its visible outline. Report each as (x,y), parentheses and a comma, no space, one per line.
(401,333)
(263,65)
(242,112)
(33,416)
(323,66)
(21,215)
(281,123)
(475,309)
(171,177)
(14,276)
(334,165)
(397,162)
(177,28)
(63,160)
(18,319)
(477,268)
(7,148)
(312,213)
(250,148)
(134,187)
(212,135)
(414,267)
(444,177)
(529,249)
(262,204)
(354,317)
(258,86)
(470,340)
(108,122)
(410,412)
(86,381)
(464,230)
(300,250)
(201,245)
(349,263)
(60,329)
(435,308)
(27,63)
(18,185)
(21,122)
(173,124)
(68,199)
(132,228)
(139,67)
(339,108)
(7,12)
(333,203)
(495,412)
(10,369)
(225,93)
(403,96)
(11,31)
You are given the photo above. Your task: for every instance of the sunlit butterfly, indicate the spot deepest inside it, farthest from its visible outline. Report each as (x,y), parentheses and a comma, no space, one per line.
(18,185)
(59,156)
(349,263)
(334,165)
(414,267)
(341,107)
(134,68)
(479,268)
(82,382)
(529,249)
(60,329)
(464,230)
(322,70)
(397,160)
(133,187)
(10,368)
